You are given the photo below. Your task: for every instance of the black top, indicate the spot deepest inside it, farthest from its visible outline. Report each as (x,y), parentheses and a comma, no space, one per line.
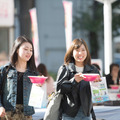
(20,88)
(110,81)
(74,94)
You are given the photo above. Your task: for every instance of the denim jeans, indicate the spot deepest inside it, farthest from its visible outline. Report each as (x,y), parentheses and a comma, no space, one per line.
(80,116)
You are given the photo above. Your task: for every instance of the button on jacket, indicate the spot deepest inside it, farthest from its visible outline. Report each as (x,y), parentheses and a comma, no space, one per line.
(75,94)
(9,92)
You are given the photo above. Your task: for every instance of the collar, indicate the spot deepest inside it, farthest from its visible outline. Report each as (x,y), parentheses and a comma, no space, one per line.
(27,70)
(87,68)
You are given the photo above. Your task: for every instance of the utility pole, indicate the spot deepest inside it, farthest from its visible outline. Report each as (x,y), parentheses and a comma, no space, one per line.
(107,33)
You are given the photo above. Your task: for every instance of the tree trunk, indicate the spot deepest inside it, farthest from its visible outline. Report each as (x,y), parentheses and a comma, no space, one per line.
(93,44)
(93,37)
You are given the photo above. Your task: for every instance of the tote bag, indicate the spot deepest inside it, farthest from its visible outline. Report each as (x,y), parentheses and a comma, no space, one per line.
(52,111)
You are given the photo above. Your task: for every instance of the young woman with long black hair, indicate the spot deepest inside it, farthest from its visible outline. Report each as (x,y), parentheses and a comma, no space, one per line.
(16,86)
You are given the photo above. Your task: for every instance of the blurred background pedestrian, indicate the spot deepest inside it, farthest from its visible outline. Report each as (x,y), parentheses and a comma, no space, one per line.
(49,81)
(113,77)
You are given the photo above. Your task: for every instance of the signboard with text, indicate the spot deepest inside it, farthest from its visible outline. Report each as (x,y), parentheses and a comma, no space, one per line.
(99,91)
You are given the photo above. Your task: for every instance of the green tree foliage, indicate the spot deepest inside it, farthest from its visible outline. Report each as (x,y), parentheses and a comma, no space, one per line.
(116,18)
(92,21)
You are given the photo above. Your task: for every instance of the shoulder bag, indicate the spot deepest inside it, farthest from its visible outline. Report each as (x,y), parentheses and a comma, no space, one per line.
(53,108)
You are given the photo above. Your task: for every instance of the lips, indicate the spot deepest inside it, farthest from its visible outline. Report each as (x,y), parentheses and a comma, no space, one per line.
(28,57)
(81,57)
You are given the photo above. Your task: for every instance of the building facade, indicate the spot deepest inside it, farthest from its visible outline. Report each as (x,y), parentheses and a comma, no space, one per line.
(51,29)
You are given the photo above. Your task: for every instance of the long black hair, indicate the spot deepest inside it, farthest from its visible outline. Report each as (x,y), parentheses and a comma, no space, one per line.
(14,56)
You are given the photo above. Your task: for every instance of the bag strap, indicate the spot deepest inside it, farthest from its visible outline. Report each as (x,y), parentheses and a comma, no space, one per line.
(93,114)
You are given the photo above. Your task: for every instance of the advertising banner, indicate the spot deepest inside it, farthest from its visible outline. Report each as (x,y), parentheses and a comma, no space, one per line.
(68,22)
(35,39)
(6,13)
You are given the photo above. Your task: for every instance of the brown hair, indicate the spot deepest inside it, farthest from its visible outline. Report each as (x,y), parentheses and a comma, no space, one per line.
(113,65)
(43,70)
(76,43)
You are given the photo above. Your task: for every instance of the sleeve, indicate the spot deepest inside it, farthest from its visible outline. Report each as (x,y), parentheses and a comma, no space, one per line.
(95,70)
(108,80)
(64,82)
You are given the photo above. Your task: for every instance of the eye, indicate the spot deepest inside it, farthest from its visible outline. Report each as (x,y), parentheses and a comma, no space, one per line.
(31,50)
(25,49)
(83,49)
(77,50)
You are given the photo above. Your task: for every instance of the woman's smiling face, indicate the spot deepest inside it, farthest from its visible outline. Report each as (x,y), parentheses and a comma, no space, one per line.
(80,55)
(25,52)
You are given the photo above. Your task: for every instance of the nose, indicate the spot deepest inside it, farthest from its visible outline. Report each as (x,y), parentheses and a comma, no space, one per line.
(79,52)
